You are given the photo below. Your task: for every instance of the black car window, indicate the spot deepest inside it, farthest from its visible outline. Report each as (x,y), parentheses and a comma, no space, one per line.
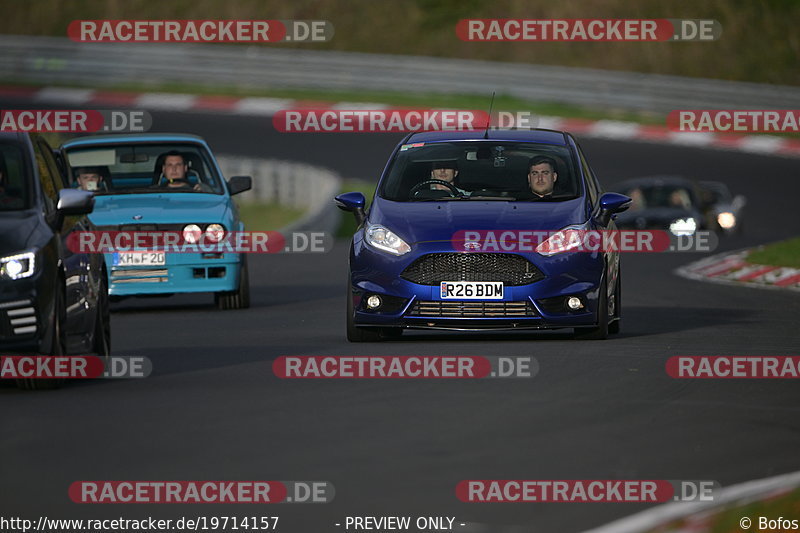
(52,165)
(15,186)
(647,195)
(46,179)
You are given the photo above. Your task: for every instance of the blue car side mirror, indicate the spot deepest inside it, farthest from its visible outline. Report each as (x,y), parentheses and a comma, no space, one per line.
(354,202)
(611,203)
(239,184)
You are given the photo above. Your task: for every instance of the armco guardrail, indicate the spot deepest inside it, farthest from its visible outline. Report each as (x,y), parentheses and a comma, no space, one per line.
(292,184)
(59,60)
(698,514)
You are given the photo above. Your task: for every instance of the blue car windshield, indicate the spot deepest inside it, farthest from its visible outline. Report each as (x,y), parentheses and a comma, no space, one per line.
(144,168)
(481,170)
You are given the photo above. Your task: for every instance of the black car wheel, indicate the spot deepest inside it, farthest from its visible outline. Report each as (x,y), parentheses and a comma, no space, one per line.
(599,332)
(102,325)
(240,298)
(52,344)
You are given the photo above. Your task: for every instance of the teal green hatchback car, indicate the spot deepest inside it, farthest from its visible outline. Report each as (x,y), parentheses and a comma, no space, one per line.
(163,183)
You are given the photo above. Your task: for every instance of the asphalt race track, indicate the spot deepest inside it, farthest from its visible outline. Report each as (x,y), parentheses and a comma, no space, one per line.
(212,410)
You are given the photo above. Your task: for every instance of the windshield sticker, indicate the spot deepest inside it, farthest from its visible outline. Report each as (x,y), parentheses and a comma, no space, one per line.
(405,147)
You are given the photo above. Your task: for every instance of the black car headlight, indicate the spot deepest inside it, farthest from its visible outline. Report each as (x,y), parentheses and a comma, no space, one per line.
(18,266)
(683,227)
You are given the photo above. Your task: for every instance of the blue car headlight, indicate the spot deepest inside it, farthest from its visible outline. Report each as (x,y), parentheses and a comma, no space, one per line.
(564,240)
(18,266)
(215,232)
(384,239)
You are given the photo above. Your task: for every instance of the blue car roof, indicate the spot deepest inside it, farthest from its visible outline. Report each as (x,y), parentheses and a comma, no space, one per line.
(536,135)
(134,138)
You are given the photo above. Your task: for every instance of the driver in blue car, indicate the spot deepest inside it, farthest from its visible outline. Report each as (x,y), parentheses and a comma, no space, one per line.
(175,170)
(446,171)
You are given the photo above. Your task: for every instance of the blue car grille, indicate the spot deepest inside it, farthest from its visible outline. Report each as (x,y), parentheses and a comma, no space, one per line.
(472,309)
(511,269)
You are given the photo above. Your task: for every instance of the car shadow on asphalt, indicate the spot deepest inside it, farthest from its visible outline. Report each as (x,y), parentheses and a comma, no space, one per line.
(637,321)
(260,297)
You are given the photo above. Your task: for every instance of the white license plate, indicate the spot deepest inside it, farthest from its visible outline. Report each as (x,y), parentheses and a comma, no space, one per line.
(471,290)
(139,258)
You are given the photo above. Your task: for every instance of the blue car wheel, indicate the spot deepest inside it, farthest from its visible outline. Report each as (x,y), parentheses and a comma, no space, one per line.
(240,298)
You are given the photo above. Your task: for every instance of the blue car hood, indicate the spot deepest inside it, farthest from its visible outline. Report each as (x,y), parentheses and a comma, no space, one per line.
(155,208)
(438,221)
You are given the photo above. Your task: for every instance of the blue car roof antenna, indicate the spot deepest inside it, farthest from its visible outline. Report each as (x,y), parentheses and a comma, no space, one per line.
(489,119)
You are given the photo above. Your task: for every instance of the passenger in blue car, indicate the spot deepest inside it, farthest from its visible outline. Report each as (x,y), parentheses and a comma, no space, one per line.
(91,178)
(542,176)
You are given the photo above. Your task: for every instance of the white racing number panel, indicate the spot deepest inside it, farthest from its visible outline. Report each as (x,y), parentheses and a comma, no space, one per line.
(139,259)
(471,290)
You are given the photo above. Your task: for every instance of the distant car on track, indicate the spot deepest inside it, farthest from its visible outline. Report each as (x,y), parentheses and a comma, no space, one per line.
(165,182)
(407,270)
(725,210)
(53,301)
(670,203)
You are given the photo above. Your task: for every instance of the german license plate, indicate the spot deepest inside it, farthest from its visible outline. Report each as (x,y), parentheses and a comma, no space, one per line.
(471,290)
(140,259)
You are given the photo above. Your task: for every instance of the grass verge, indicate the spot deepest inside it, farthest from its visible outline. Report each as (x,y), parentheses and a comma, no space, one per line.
(268,216)
(781,254)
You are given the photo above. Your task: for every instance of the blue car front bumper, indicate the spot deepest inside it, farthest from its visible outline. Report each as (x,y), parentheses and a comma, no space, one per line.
(181,273)
(537,305)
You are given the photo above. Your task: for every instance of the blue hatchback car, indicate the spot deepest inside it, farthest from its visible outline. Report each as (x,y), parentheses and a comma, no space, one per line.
(163,183)
(426,254)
